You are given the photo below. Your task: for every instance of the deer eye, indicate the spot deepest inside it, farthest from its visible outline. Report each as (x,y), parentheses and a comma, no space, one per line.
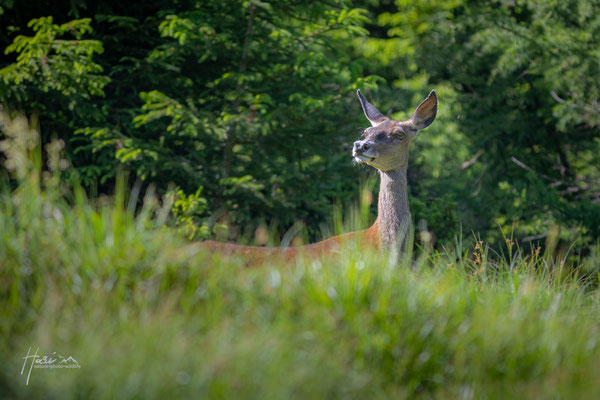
(399,135)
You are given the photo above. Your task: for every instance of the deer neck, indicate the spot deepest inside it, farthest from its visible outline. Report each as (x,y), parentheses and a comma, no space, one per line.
(393,219)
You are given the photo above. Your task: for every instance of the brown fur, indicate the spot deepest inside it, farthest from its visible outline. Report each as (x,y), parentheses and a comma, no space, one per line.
(254,255)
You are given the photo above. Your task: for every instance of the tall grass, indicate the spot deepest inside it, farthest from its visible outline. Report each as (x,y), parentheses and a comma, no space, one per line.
(146,317)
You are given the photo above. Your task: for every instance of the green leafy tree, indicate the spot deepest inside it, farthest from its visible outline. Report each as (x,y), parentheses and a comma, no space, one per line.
(55,77)
(525,77)
(251,104)
(248,102)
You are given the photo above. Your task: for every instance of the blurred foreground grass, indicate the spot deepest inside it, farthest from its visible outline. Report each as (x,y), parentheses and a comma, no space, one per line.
(145,318)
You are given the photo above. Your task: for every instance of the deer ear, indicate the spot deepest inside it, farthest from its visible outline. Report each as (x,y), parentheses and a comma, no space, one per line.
(372,114)
(425,113)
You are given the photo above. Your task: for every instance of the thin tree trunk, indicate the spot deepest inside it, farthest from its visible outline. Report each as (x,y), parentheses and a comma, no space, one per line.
(230,136)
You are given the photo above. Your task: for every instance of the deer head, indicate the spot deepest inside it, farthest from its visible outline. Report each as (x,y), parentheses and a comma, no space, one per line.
(386,142)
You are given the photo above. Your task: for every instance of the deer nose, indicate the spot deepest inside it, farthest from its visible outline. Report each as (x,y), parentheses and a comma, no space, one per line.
(361,146)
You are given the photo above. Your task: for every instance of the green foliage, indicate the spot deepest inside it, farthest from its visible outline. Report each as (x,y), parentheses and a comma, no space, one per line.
(525,76)
(439,214)
(244,99)
(255,119)
(253,102)
(187,211)
(55,78)
(65,66)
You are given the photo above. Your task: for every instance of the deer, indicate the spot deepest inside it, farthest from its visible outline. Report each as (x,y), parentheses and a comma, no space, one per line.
(384,146)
